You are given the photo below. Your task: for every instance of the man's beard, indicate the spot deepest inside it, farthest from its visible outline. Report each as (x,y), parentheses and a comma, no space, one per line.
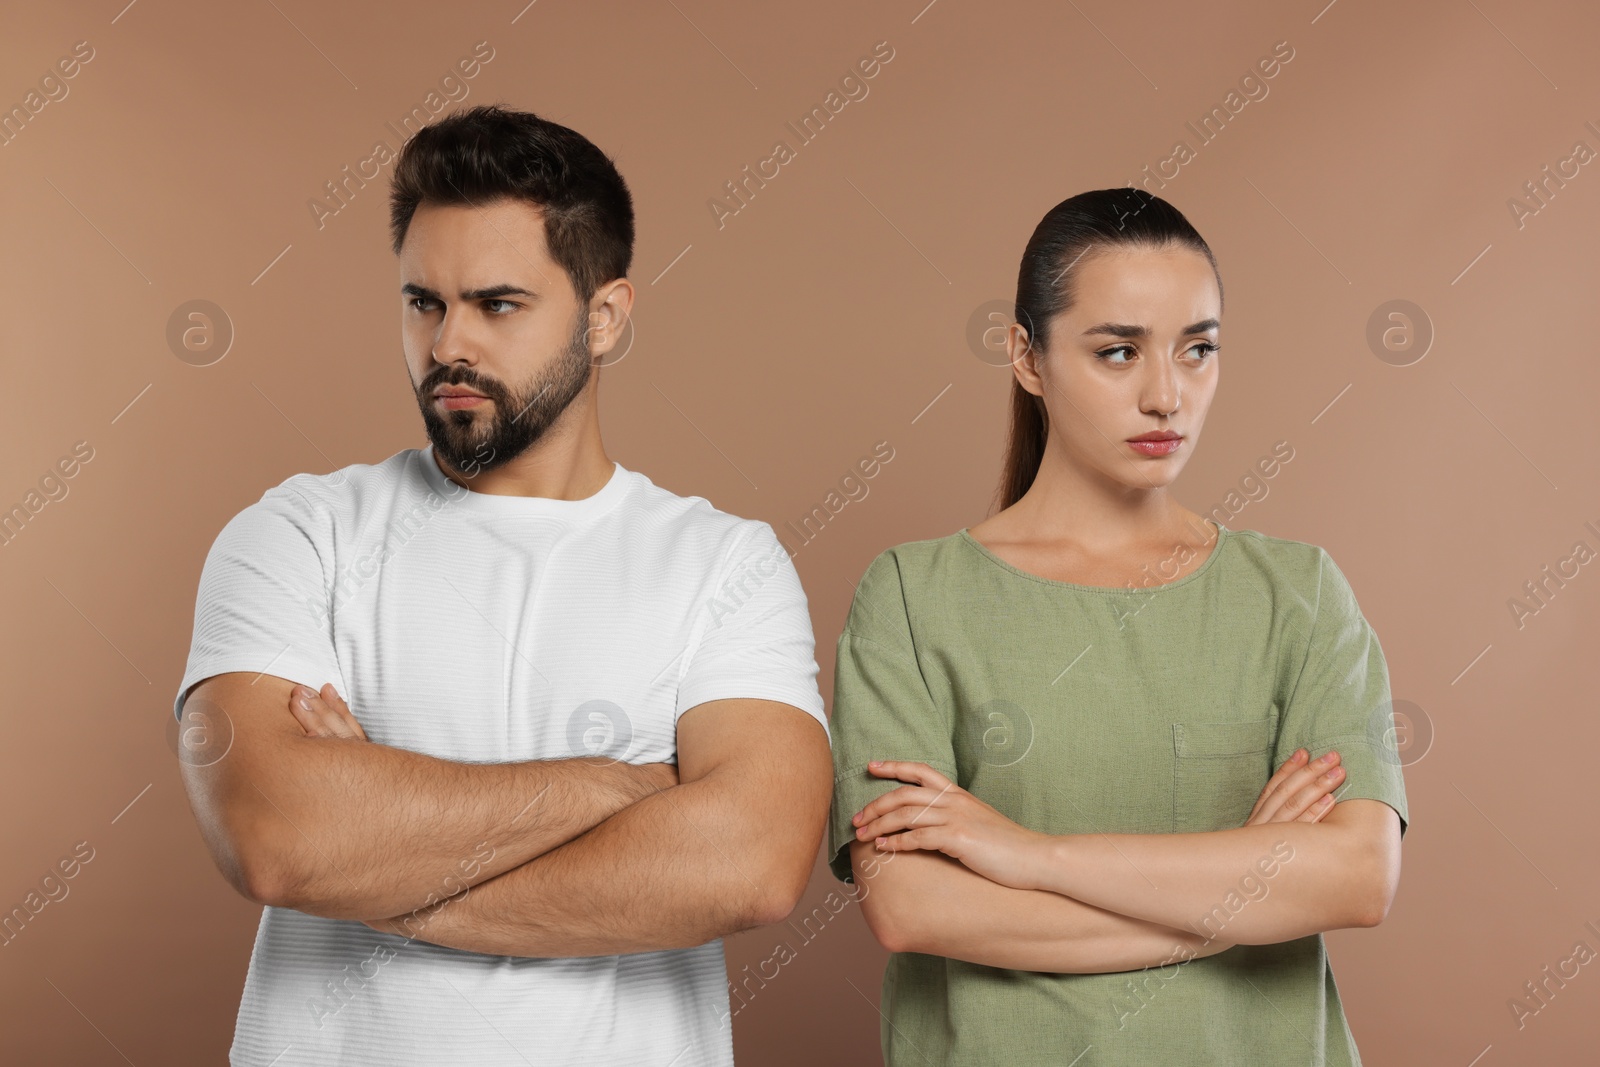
(471,440)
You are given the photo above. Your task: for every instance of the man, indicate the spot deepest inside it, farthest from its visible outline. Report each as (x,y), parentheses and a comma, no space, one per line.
(503,735)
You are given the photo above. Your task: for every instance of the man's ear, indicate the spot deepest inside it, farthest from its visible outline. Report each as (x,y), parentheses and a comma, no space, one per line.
(608,318)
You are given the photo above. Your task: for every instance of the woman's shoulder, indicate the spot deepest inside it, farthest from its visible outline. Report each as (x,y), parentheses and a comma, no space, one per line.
(897,577)
(1288,565)
(911,561)
(1280,553)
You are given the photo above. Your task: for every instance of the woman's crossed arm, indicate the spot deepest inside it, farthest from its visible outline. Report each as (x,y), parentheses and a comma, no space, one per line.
(981,888)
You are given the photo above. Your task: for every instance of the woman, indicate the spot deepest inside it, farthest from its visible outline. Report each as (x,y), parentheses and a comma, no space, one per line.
(1054,732)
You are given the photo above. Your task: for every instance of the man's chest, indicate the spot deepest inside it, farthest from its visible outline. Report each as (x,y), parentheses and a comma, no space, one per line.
(524,658)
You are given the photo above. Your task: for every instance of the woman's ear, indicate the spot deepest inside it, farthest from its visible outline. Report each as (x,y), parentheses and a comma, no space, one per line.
(1024,360)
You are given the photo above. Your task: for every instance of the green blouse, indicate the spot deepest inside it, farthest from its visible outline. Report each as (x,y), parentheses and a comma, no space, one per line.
(1079,709)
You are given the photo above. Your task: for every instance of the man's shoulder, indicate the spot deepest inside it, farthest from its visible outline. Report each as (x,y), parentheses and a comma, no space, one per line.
(693,521)
(319,504)
(353,483)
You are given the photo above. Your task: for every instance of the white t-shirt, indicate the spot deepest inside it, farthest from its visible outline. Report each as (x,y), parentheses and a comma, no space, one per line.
(485,628)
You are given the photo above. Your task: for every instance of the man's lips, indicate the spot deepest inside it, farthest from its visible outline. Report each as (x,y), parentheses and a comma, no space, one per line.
(452,397)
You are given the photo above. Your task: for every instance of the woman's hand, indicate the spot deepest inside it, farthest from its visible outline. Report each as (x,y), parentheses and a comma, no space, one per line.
(1300,791)
(938,815)
(324,714)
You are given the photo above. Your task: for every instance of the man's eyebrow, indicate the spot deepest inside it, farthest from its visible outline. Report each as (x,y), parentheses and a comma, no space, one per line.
(493,292)
(1117,329)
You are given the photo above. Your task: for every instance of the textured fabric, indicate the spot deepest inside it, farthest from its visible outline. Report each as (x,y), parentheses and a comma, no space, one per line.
(484,628)
(1077,709)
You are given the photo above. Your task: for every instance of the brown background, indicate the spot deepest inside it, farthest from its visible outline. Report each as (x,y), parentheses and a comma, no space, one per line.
(827,315)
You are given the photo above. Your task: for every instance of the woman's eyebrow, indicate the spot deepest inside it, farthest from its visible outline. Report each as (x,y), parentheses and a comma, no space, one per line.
(1118,329)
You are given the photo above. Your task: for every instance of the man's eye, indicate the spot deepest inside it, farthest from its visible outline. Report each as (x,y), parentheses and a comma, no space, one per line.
(509,305)
(417,301)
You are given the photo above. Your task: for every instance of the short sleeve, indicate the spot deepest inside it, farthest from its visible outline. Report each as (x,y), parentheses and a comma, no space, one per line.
(882,707)
(263,601)
(756,640)
(1341,699)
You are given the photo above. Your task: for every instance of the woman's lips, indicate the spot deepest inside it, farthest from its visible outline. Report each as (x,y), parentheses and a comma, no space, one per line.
(1157,448)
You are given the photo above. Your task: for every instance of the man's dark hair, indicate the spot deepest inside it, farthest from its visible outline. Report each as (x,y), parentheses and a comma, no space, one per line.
(491,153)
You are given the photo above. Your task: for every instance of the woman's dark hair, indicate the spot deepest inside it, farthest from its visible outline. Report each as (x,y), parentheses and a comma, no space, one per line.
(1069,233)
(490,153)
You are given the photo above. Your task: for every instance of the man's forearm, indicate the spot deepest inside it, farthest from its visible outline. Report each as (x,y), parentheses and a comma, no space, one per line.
(927,902)
(678,868)
(1264,883)
(352,829)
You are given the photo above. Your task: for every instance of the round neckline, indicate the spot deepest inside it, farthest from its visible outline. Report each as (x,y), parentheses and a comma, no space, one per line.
(1223,533)
(459,495)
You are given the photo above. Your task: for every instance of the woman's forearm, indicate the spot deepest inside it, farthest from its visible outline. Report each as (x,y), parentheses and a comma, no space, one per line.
(1264,883)
(926,902)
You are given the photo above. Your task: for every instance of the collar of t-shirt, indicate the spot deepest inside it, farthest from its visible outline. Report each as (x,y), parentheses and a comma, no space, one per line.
(530,506)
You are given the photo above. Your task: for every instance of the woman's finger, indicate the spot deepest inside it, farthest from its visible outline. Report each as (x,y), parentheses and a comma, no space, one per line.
(1318,809)
(926,838)
(1293,763)
(1316,791)
(1296,793)
(905,796)
(1300,793)
(909,771)
(902,818)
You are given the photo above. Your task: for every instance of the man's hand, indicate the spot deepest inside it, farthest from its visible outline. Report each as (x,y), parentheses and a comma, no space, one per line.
(730,848)
(307,812)
(324,714)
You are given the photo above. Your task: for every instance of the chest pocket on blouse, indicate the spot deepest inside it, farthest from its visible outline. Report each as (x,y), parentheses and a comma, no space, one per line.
(1218,771)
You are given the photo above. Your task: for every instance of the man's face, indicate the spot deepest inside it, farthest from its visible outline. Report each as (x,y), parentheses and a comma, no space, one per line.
(485,310)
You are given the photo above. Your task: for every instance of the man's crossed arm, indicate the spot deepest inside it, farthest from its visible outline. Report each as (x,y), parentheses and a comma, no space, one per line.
(607,857)
(731,847)
(340,827)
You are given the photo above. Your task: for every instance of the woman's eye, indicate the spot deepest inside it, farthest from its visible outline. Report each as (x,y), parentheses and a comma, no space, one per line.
(1205,349)
(1123,349)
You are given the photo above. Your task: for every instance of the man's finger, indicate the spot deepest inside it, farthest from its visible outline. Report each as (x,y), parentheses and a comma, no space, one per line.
(331,697)
(325,720)
(303,706)
(335,704)
(303,714)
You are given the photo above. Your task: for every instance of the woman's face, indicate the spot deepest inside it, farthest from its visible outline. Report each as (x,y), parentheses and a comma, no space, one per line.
(1134,355)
